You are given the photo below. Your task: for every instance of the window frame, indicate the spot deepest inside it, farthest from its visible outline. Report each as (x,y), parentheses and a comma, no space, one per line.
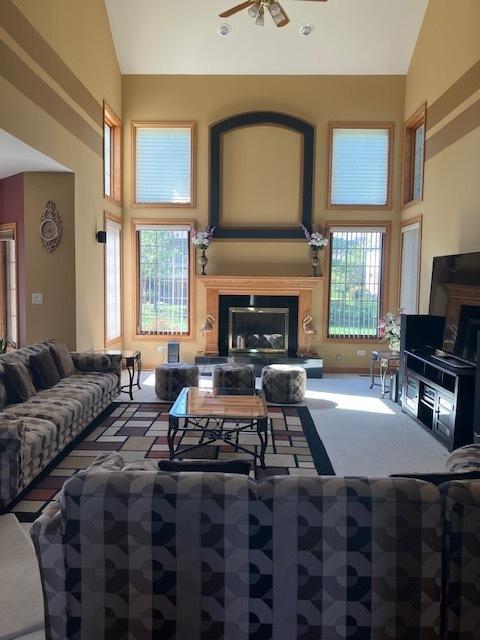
(114,122)
(117,220)
(385,275)
(418,220)
(190,336)
(390,127)
(159,124)
(12,226)
(411,126)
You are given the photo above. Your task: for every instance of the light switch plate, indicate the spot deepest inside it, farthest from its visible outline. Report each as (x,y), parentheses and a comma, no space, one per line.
(37,298)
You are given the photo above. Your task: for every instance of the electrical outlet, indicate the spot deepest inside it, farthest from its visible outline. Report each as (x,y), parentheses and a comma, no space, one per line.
(361,354)
(339,356)
(161,349)
(37,298)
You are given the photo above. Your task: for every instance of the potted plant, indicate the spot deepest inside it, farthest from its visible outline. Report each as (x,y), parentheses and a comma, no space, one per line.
(317,242)
(389,330)
(202,240)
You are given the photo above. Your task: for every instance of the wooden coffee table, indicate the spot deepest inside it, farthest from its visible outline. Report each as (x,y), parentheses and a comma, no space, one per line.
(220,414)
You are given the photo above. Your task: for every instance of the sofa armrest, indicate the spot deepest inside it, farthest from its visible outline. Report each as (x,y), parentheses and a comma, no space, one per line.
(47,537)
(100,362)
(12,434)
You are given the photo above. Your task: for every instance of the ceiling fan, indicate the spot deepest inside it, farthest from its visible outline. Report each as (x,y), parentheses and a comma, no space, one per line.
(256,10)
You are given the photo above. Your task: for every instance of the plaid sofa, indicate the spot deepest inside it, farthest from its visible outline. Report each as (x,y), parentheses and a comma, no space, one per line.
(133,554)
(34,432)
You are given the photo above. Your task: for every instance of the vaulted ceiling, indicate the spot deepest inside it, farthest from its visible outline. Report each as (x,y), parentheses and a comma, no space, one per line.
(350,37)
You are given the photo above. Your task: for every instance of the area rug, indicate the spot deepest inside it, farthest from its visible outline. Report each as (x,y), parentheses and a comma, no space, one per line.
(139,430)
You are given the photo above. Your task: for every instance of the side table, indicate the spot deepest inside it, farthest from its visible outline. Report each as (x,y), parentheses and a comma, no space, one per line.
(386,360)
(133,362)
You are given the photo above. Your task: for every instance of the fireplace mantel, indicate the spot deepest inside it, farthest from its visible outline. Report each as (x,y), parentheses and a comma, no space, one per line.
(301,286)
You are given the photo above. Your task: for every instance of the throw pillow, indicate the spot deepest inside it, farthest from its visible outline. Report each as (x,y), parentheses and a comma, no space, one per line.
(44,369)
(62,358)
(215,466)
(19,384)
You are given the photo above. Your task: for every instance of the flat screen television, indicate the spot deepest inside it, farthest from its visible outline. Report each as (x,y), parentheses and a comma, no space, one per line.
(455,295)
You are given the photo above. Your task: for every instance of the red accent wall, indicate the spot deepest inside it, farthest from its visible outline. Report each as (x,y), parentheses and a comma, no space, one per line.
(12,210)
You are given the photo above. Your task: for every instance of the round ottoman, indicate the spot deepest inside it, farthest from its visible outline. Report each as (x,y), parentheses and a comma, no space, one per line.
(233,376)
(464,459)
(170,379)
(284,383)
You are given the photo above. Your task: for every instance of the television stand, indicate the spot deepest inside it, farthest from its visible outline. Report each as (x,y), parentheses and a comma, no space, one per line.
(439,395)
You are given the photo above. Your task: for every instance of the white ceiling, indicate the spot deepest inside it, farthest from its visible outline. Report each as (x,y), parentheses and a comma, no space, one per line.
(350,37)
(18,157)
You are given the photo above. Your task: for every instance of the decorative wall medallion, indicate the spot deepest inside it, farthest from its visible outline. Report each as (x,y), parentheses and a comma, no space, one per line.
(51,227)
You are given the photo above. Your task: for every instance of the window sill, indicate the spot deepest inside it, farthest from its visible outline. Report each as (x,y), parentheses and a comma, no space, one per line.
(411,203)
(372,341)
(376,207)
(162,205)
(162,337)
(112,200)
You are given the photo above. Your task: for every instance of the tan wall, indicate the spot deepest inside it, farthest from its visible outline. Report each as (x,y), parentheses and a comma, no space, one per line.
(50,273)
(209,99)
(53,80)
(445,73)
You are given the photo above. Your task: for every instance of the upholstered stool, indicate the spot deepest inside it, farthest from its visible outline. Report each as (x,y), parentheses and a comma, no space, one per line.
(233,376)
(170,379)
(284,383)
(464,459)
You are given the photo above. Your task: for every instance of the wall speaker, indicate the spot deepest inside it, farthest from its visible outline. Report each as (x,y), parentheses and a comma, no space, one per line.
(173,352)
(102,237)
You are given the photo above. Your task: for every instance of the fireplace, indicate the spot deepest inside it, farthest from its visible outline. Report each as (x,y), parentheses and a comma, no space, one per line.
(258,330)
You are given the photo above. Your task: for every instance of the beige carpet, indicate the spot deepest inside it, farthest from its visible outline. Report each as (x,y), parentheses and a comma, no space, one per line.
(21,603)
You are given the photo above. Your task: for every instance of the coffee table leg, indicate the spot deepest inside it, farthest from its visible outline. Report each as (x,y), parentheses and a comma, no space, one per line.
(172,430)
(262,430)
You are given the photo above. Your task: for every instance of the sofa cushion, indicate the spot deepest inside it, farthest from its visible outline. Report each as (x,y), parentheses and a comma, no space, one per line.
(105,382)
(62,358)
(44,369)
(40,443)
(63,412)
(19,383)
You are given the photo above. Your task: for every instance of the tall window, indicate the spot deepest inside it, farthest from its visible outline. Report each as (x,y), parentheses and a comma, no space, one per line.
(414,157)
(112,150)
(360,166)
(8,285)
(410,266)
(356,281)
(163,279)
(164,164)
(113,280)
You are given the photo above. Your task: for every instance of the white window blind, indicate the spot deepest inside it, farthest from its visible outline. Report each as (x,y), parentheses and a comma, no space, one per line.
(410,268)
(359,174)
(113,280)
(163,279)
(356,264)
(107,158)
(163,165)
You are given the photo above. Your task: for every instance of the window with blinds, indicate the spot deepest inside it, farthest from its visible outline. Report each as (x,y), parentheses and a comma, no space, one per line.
(410,271)
(360,166)
(163,279)
(113,281)
(107,158)
(356,270)
(414,157)
(8,285)
(112,149)
(164,165)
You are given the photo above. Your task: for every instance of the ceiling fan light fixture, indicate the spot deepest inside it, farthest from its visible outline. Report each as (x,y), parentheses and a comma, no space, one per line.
(224,30)
(307,30)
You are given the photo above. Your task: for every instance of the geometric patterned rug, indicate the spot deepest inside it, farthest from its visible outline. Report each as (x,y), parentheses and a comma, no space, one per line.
(139,430)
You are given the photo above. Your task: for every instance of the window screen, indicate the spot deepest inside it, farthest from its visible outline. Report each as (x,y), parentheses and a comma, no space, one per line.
(410,268)
(163,165)
(113,280)
(356,265)
(418,162)
(360,167)
(163,279)
(107,163)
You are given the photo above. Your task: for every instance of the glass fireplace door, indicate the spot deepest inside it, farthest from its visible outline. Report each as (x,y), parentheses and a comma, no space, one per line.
(258,330)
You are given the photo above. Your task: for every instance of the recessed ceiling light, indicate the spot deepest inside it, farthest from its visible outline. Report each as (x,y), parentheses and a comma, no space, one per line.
(224,30)
(306,30)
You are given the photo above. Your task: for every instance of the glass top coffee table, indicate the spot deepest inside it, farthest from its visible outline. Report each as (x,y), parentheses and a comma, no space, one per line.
(219,414)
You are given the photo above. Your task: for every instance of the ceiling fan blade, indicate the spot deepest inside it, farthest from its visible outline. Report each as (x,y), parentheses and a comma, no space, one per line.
(278,14)
(260,21)
(239,7)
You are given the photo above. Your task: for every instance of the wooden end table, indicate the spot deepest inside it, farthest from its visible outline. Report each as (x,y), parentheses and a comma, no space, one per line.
(220,414)
(133,362)
(387,360)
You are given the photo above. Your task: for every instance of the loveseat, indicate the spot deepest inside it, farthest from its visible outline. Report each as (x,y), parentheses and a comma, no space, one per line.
(34,432)
(134,554)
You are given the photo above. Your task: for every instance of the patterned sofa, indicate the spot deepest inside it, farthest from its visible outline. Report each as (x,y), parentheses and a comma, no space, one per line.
(34,432)
(133,554)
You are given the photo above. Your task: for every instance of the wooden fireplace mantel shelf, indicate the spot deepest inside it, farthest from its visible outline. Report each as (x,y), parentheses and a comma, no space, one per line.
(301,286)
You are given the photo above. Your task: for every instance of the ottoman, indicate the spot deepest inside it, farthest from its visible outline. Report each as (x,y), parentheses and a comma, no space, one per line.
(170,379)
(233,376)
(284,383)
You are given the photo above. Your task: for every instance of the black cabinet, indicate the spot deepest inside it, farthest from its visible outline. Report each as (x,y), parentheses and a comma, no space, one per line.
(439,396)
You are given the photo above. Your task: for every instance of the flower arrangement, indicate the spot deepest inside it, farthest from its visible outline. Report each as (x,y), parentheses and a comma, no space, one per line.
(202,239)
(317,242)
(389,329)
